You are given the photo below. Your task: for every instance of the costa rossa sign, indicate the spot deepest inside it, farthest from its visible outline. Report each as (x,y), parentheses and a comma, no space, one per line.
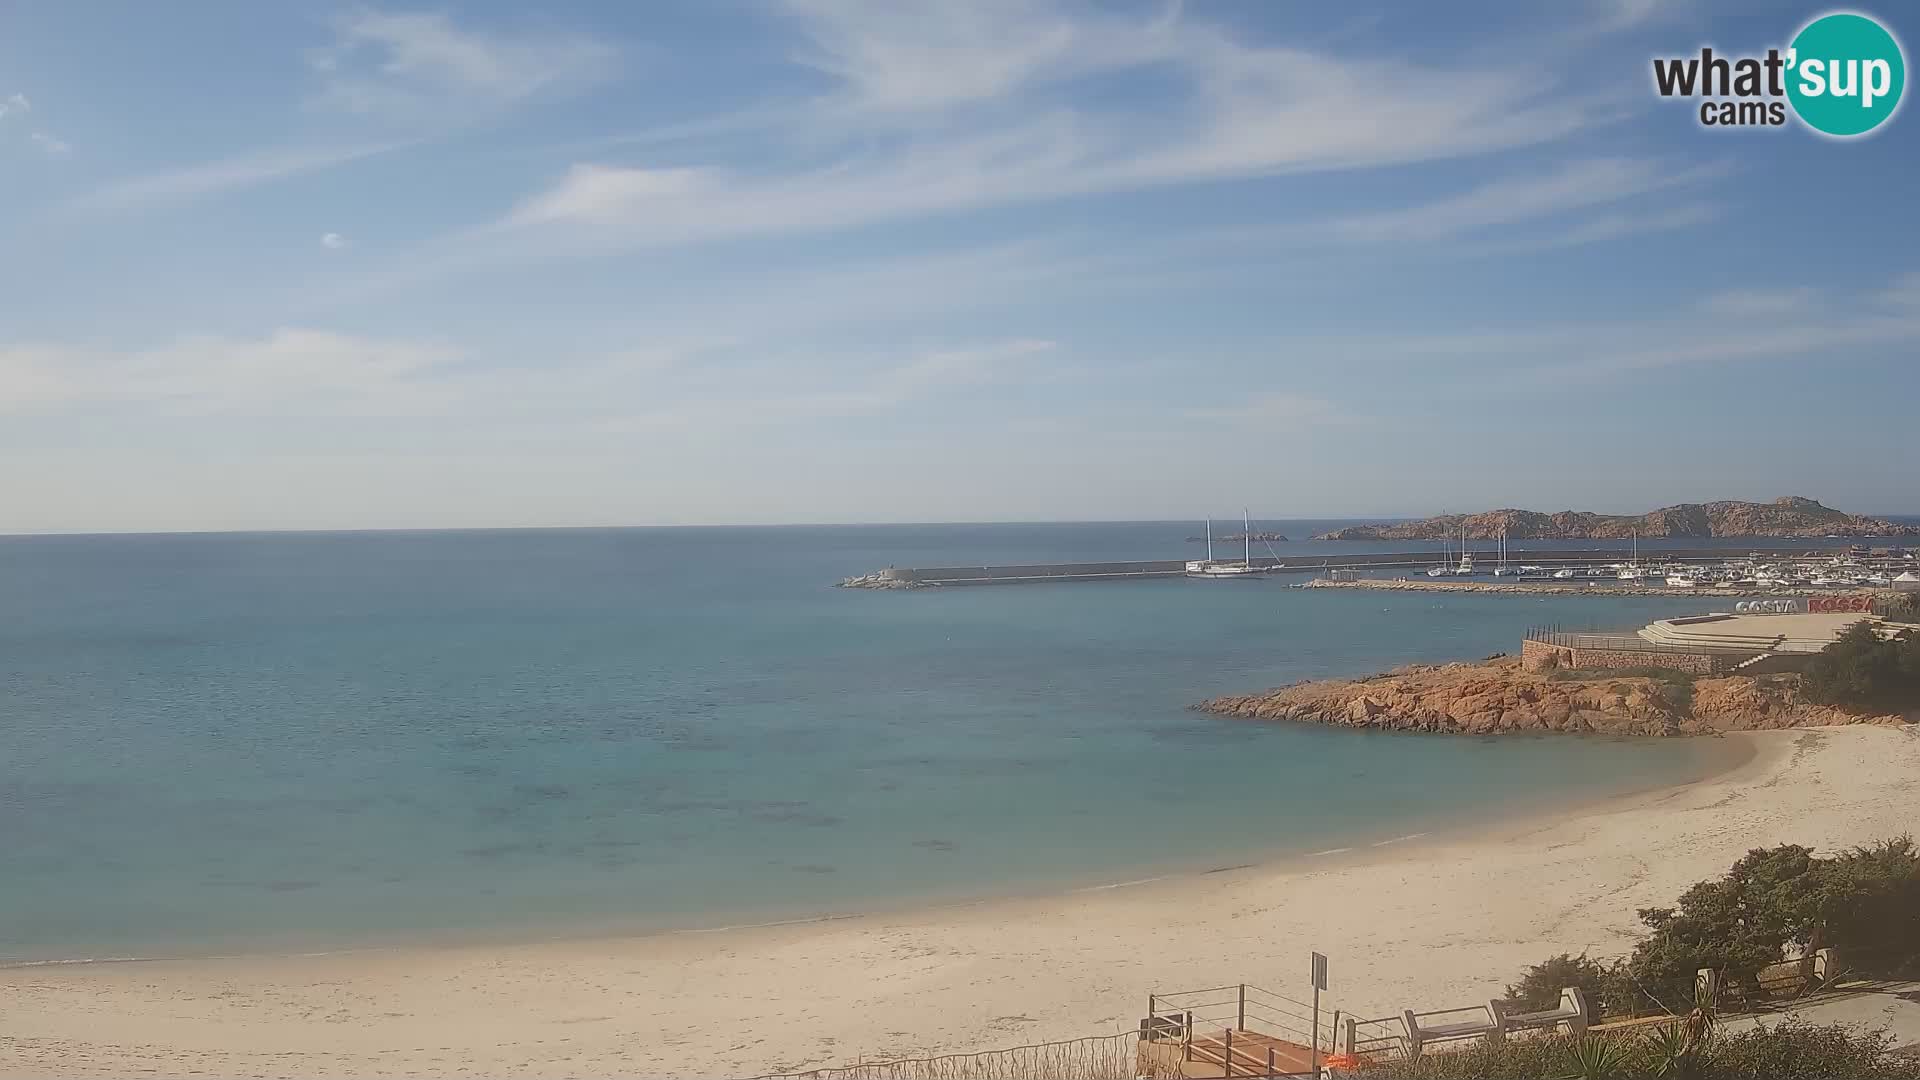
(1849,603)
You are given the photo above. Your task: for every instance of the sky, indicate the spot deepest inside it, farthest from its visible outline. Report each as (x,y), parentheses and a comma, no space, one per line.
(269,266)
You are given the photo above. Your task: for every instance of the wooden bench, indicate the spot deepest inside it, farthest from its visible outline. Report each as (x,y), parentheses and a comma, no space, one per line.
(1571,1012)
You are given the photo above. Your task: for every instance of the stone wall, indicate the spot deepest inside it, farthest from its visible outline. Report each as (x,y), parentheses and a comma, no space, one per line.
(1542,656)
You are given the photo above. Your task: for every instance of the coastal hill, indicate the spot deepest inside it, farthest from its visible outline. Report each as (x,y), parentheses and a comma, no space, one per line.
(1789,516)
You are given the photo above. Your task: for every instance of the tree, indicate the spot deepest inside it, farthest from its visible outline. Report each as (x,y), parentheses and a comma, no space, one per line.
(1862,670)
(1735,925)
(1539,987)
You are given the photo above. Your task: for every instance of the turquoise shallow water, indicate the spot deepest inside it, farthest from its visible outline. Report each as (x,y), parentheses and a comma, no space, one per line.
(223,742)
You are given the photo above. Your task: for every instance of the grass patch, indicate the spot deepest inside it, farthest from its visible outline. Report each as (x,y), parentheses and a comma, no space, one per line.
(1677,684)
(1672,676)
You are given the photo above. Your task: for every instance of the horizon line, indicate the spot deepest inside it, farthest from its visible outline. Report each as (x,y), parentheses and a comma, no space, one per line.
(357,530)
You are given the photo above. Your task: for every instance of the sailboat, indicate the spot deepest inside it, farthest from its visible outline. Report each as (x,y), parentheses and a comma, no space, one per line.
(1446,551)
(1632,573)
(1503,569)
(1209,567)
(1466,557)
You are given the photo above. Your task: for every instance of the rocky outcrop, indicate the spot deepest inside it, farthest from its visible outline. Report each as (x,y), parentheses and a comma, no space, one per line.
(1791,516)
(1497,696)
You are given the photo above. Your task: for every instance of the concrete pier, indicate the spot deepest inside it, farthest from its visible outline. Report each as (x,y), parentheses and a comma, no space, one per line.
(913,577)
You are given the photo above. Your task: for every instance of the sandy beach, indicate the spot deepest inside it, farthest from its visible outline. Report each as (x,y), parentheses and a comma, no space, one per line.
(1425,922)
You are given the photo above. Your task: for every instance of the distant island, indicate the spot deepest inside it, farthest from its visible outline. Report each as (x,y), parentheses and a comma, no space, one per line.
(1789,516)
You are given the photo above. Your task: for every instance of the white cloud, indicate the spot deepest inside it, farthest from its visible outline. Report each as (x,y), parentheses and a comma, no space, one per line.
(1574,186)
(938,108)
(332,241)
(52,146)
(420,66)
(14,105)
(885,56)
(411,75)
(213,177)
(1904,291)
(1748,303)
(287,368)
(690,384)
(1614,226)
(1275,409)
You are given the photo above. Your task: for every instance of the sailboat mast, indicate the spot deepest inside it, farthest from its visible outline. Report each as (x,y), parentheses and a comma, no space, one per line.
(1246,536)
(1209,539)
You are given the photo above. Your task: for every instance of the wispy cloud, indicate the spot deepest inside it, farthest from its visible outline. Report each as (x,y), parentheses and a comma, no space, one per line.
(1275,409)
(1574,186)
(309,368)
(317,373)
(1904,292)
(403,78)
(15,105)
(51,146)
(332,241)
(419,67)
(1761,302)
(934,108)
(213,177)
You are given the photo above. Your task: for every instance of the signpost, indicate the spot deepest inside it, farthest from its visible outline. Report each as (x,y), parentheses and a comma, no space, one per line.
(1319,984)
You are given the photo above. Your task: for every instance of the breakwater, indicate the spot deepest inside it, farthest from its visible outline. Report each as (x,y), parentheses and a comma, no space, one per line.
(916,577)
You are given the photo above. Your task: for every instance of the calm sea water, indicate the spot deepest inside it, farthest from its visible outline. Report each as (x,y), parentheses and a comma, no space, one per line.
(217,742)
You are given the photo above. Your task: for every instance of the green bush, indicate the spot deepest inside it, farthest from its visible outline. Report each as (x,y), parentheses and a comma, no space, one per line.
(1800,1051)
(1861,670)
(1789,1051)
(1863,903)
(1607,985)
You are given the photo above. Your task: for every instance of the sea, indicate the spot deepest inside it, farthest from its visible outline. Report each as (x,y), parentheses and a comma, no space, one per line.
(231,743)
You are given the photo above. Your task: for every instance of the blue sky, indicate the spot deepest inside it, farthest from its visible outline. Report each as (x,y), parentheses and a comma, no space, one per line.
(295,266)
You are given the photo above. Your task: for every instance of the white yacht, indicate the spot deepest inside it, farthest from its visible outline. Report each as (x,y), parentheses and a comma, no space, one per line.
(1682,581)
(1210,567)
(1563,574)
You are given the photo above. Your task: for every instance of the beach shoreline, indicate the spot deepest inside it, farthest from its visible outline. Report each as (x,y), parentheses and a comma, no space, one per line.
(1738,753)
(1424,921)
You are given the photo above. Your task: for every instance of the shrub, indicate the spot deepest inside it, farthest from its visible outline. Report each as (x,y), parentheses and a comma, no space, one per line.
(1861,670)
(1607,986)
(1800,1051)
(1864,903)
(1789,1051)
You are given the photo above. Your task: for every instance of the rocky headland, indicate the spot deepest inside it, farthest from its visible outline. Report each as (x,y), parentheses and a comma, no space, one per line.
(1497,696)
(1792,516)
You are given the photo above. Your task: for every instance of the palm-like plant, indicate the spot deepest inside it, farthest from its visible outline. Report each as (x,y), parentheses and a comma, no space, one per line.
(1593,1057)
(1682,1051)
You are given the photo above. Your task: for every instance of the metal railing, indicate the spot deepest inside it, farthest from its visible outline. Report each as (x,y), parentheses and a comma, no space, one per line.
(1236,1027)
(1382,1039)
(1616,642)
(1098,1057)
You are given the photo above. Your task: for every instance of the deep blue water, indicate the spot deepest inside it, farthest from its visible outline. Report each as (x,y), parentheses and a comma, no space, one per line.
(239,741)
